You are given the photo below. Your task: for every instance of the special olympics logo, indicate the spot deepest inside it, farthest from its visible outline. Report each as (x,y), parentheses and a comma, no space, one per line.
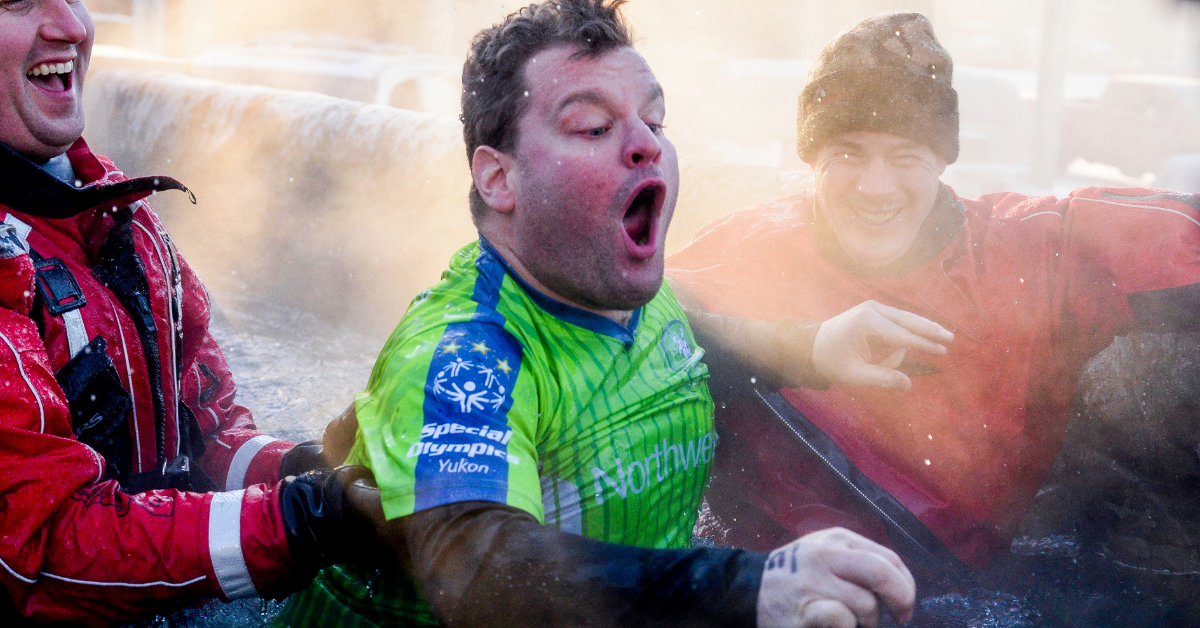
(470,385)
(675,344)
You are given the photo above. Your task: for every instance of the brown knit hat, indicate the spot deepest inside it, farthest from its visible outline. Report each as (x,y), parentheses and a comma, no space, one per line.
(888,74)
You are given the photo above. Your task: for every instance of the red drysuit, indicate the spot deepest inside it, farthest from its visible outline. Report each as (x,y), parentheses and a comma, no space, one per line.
(1032,289)
(75,548)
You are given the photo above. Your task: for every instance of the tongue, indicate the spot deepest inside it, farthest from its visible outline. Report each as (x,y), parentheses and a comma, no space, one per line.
(637,224)
(52,82)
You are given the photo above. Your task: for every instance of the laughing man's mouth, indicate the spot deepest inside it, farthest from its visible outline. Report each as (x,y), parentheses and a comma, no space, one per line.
(642,213)
(55,77)
(878,216)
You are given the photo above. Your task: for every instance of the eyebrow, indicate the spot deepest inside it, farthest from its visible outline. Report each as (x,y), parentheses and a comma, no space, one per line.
(843,145)
(655,93)
(855,146)
(593,97)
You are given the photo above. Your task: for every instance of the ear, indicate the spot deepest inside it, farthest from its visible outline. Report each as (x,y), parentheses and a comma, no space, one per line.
(490,169)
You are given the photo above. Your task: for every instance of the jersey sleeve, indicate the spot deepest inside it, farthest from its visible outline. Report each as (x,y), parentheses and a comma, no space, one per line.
(450,416)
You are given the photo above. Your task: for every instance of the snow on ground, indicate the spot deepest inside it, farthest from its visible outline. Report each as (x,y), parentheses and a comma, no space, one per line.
(294,371)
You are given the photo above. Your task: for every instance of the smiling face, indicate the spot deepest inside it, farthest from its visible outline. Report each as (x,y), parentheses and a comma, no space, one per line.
(45,46)
(594,179)
(875,190)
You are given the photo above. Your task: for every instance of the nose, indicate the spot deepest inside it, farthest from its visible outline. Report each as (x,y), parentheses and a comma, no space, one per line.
(62,24)
(876,179)
(642,147)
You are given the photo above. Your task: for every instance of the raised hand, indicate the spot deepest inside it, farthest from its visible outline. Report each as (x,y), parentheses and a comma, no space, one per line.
(865,345)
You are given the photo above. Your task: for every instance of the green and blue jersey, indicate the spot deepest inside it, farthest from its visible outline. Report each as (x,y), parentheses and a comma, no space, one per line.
(489,390)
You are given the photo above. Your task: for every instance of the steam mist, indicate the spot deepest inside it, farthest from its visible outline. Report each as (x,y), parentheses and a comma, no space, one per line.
(342,206)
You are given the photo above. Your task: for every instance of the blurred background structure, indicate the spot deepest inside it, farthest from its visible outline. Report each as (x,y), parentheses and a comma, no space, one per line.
(1054,94)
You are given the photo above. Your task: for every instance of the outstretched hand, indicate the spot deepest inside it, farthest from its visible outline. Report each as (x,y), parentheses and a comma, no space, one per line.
(865,345)
(833,578)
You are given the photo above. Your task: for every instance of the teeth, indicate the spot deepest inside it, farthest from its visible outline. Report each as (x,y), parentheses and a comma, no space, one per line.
(46,69)
(878,218)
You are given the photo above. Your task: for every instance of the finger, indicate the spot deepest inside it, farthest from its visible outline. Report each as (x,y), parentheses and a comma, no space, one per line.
(894,335)
(826,614)
(860,601)
(860,542)
(873,572)
(877,376)
(893,360)
(914,323)
(850,540)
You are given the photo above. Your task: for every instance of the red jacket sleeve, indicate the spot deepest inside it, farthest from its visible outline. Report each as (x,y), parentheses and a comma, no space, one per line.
(236,455)
(1116,242)
(74,549)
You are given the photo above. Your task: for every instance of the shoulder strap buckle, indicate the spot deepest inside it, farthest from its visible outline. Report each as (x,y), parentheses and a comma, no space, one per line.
(57,286)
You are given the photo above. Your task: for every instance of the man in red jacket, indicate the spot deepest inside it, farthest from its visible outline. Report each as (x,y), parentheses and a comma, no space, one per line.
(1032,288)
(118,412)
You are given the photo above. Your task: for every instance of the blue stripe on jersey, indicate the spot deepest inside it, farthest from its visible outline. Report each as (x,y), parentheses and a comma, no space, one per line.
(491,268)
(463,451)
(563,312)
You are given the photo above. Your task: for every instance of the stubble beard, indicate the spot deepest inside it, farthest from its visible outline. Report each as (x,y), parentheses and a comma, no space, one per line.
(584,271)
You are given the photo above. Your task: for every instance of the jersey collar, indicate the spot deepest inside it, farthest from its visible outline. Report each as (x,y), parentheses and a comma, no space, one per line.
(567,313)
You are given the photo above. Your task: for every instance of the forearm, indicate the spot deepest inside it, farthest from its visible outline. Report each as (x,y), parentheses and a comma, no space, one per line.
(108,558)
(481,564)
(781,352)
(236,455)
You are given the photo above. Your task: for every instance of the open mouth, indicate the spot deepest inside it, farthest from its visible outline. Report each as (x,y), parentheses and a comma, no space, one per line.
(641,218)
(55,77)
(878,216)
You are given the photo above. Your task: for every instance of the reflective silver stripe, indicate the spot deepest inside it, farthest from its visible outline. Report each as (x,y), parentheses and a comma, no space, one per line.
(22,229)
(76,331)
(242,459)
(225,545)
(137,437)
(36,396)
(1150,207)
(132,585)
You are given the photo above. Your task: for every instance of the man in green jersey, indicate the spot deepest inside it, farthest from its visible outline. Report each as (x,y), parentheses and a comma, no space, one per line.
(539,424)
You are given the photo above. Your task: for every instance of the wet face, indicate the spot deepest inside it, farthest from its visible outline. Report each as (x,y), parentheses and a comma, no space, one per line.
(594,179)
(876,189)
(45,46)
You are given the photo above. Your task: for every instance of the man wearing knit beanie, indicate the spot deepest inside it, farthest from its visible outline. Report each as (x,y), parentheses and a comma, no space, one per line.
(1032,288)
(888,74)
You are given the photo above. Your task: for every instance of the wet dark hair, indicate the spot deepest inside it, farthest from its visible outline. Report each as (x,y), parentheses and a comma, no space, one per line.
(493,79)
